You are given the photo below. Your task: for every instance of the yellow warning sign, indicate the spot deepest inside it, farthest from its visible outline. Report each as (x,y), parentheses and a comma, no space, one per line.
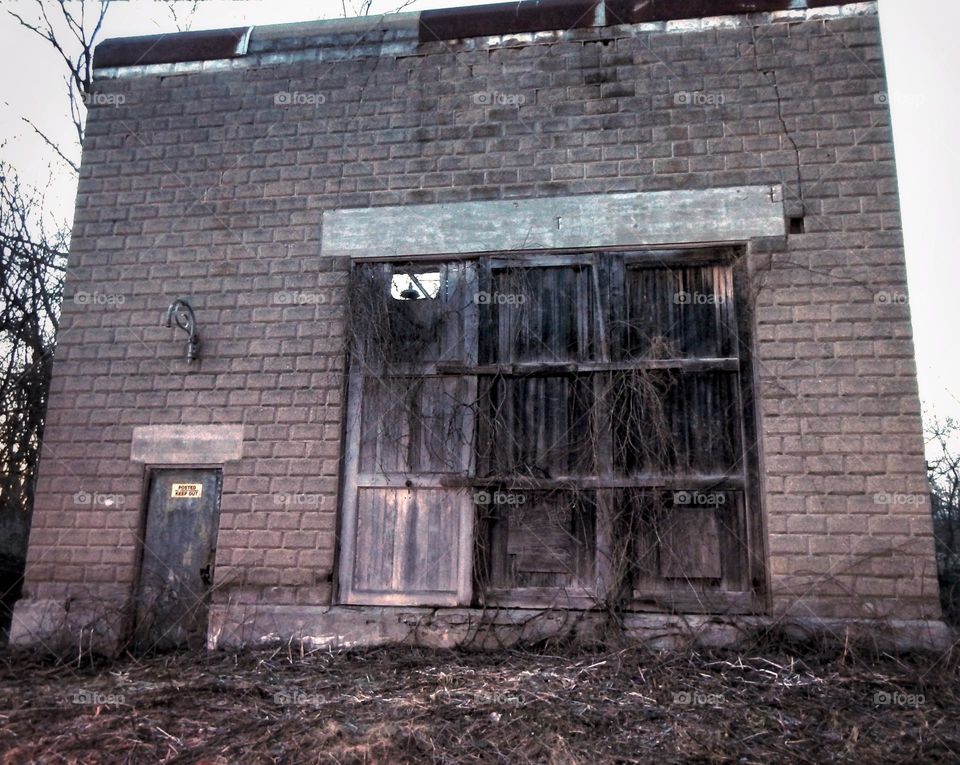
(186,490)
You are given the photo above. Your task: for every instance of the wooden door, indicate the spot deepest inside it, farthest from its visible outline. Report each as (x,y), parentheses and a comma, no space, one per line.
(407,528)
(536,417)
(610,422)
(179,545)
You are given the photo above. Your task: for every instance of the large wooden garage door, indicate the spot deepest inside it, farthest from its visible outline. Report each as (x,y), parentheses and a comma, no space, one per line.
(559,430)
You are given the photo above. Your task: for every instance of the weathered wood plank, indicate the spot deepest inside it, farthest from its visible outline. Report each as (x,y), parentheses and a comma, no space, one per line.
(726,364)
(540,315)
(547,541)
(696,546)
(535,426)
(680,311)
(690,544)
(407,546)
(415,425)
(520,483)
(671,423)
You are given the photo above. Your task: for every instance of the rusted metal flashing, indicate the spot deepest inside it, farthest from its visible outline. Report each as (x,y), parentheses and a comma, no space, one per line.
(204,45)
(633,12)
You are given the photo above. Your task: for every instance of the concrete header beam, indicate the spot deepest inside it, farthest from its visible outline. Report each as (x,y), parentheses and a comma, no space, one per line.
(688,216)
(186,444)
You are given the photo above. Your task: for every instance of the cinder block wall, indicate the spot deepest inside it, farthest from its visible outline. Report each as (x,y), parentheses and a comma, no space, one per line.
(200,185)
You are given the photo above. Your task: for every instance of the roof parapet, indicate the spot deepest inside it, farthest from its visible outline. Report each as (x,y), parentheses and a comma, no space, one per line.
(402,33)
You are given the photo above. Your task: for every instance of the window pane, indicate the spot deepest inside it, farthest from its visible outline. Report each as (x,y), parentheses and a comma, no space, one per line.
(401,314)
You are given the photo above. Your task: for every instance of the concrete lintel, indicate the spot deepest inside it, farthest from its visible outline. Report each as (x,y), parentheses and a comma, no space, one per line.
(735,214)
(186,444)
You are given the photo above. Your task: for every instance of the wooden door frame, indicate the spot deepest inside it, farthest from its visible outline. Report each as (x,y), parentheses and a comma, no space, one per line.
(735,254)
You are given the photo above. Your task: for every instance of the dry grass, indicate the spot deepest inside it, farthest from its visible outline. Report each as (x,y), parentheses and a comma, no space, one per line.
(773,703)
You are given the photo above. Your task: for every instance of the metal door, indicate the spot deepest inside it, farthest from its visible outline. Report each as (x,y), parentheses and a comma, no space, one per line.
(178,556)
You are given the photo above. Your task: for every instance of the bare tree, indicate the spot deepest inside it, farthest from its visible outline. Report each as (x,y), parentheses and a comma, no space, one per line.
(363,7)
(32,264)
(72,30)
(32,267)
(944,476)
(183,21)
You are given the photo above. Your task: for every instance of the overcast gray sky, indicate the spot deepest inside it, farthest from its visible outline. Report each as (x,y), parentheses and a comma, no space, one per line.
(922,61)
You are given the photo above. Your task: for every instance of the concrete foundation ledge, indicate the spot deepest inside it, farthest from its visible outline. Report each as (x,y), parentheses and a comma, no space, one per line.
(59,625)
(352,626)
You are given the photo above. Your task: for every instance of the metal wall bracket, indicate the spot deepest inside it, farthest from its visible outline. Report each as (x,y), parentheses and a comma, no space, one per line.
(181,312)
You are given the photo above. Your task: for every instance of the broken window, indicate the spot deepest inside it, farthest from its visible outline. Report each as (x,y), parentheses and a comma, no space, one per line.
(550,430)
(411,284)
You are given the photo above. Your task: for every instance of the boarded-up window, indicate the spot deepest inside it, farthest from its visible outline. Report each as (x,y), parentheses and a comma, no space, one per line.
(582,418)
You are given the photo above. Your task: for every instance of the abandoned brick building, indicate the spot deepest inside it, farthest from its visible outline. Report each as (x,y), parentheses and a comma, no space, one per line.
(571,307)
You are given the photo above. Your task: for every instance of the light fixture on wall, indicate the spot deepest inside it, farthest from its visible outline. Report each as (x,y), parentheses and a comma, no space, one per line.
(181,312)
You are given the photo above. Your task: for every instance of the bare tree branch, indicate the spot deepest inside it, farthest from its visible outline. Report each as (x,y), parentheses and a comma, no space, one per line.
(53,145)
(75,48)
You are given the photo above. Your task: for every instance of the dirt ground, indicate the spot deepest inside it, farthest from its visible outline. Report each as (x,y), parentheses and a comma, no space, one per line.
(772,703)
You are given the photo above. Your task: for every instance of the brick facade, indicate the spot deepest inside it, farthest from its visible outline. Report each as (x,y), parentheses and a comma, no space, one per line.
(199,184)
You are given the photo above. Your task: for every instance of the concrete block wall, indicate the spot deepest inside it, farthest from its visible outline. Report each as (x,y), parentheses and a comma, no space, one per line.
(206,185)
